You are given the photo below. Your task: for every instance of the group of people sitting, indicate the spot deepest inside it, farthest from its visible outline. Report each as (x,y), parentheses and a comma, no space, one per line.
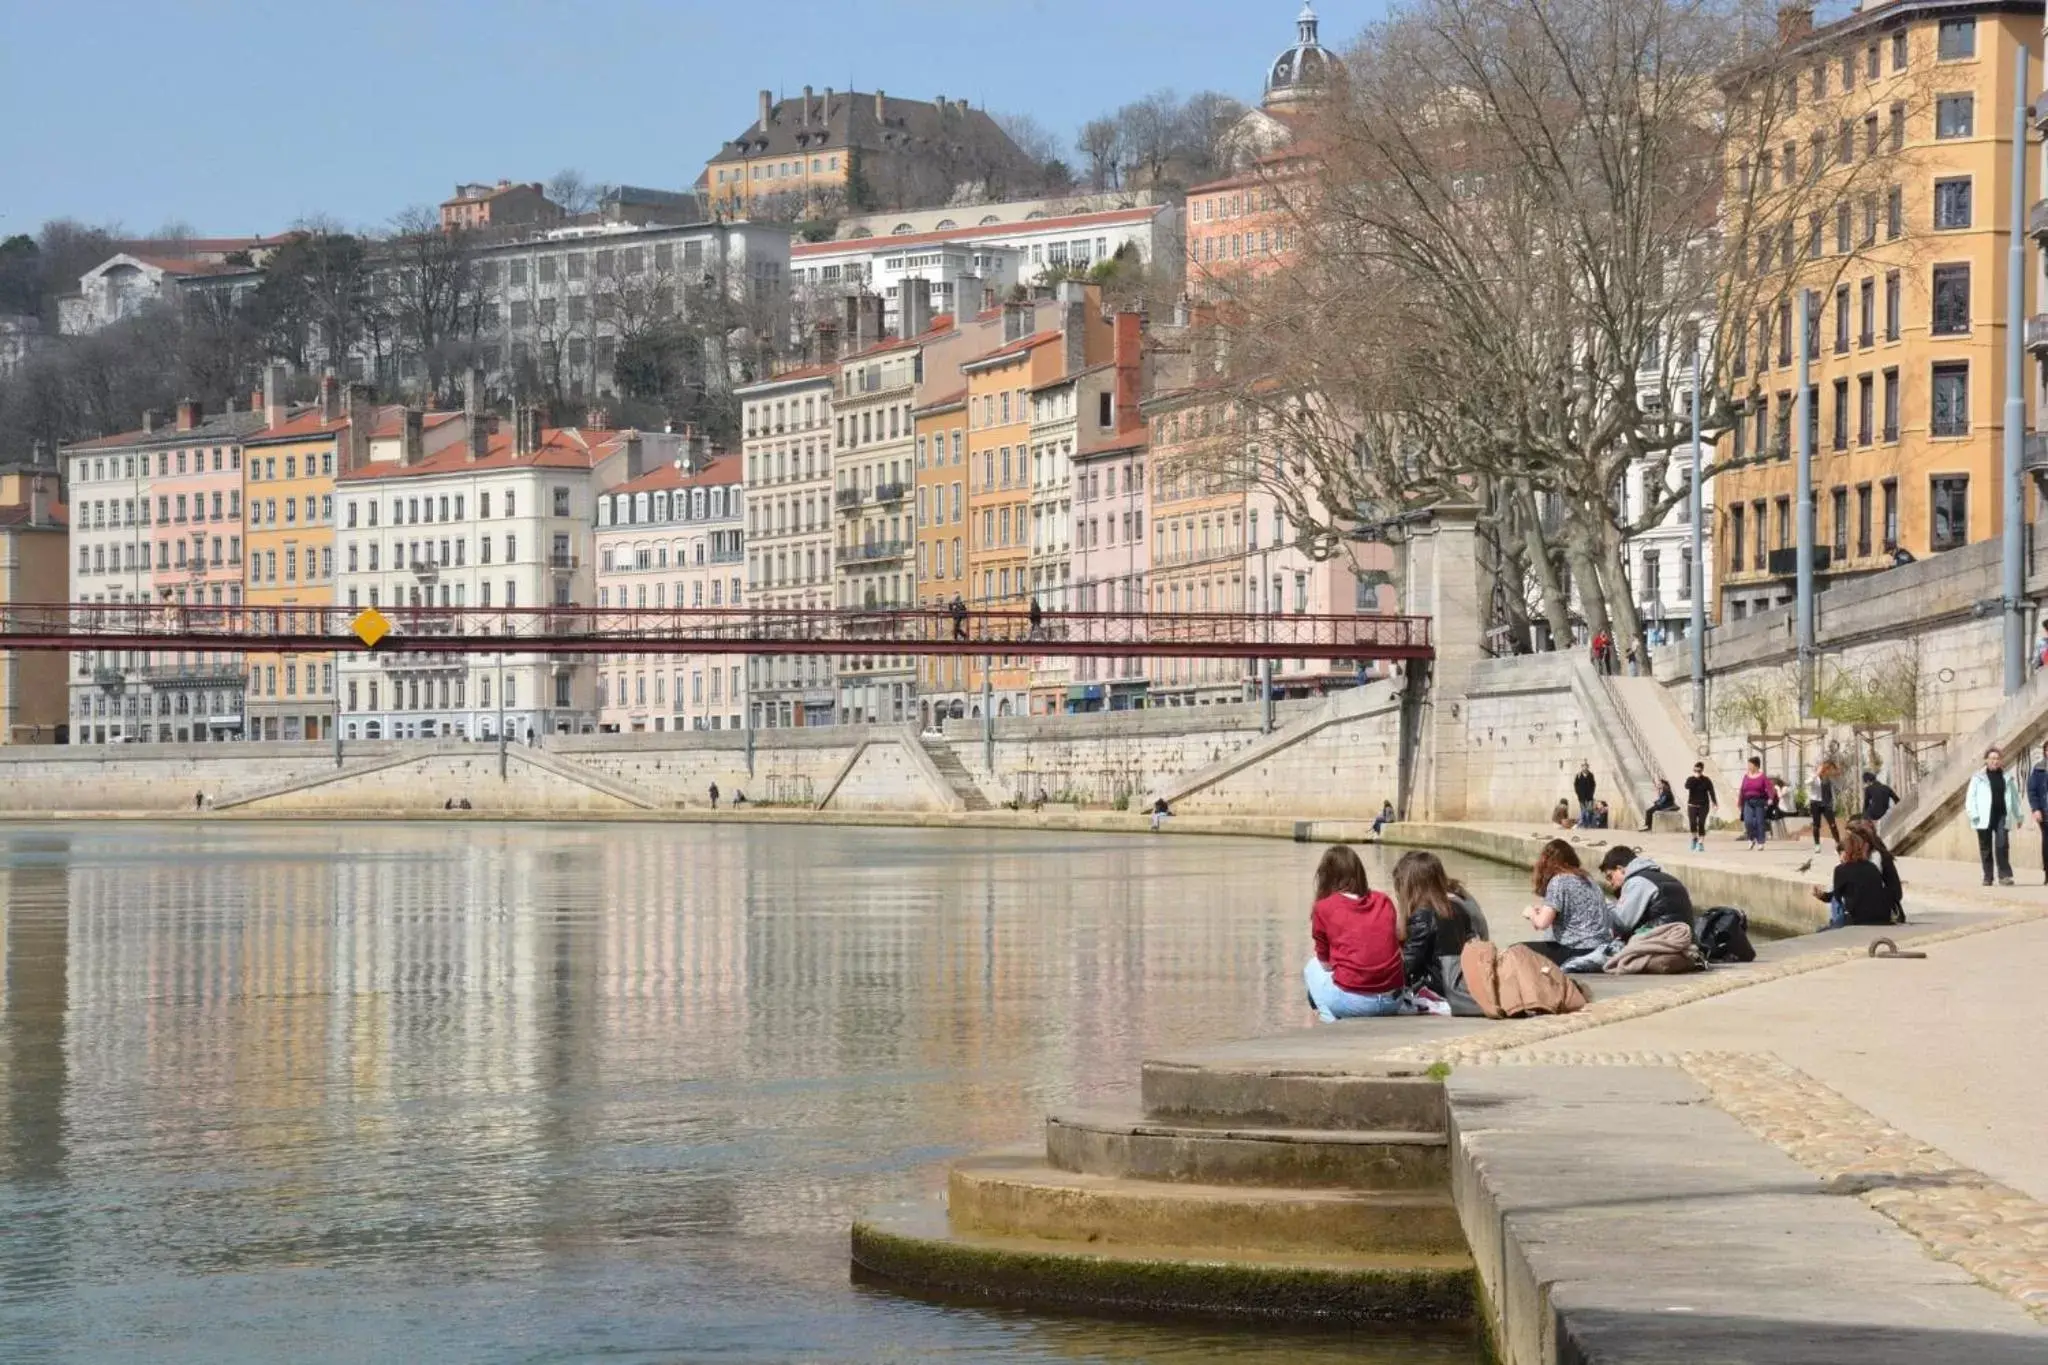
(1378,955)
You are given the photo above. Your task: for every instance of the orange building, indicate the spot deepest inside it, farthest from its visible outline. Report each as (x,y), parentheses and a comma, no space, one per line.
(941,427)
(1198,538)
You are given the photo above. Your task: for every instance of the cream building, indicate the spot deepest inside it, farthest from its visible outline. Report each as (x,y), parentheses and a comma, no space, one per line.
(786,447)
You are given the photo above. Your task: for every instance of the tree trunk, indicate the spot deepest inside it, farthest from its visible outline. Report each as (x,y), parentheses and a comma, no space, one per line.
(1557,613)
(1628,625)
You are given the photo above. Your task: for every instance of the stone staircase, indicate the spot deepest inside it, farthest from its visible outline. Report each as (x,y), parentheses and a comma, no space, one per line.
(1621,749)
(1270,1193)
(957,777)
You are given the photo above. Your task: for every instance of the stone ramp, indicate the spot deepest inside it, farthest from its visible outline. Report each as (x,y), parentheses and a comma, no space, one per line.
(616,787)
(470,753)
(308,781)
(1621,750)
(1668,742)
(2018,725)
(1349,705)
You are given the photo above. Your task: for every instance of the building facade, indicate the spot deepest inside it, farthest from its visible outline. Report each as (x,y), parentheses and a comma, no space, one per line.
(787,446)
(941,425)
(34,567)
(1198,538)
(874,558)
(1905,285)
(674,537)
(505,204)
(498,519)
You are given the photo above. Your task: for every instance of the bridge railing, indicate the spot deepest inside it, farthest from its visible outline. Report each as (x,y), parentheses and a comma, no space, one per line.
(852,630)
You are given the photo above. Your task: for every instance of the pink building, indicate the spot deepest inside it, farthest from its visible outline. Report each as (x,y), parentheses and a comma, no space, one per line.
(197,492)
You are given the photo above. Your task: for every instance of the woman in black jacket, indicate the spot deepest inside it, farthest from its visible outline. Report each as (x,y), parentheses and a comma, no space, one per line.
(1821,804)
(1442,918)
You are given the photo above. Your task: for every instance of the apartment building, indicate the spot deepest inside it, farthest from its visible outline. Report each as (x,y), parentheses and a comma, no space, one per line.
(505,204)
(34,567)
(159,520)
(672,536)
(496,519)
(1905,285)
(941,426)
(1198,503)
(787,446)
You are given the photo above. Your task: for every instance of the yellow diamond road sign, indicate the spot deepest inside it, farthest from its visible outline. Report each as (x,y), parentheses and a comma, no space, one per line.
(370,626)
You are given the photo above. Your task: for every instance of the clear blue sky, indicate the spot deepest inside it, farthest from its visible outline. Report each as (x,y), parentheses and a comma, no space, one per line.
(237,116)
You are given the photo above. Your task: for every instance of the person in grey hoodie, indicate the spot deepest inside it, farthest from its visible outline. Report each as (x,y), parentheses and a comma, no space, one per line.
(1646,895)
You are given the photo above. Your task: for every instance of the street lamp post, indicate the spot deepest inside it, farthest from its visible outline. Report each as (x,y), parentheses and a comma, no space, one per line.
(1699,563)
(1803,415)
(2015,581)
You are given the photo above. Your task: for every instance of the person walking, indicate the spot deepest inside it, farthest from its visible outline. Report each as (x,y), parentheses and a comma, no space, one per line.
(1878,799)
(1599,651)
(714,796)
(957,609)
(2037,805)
(1820,803)
(1754,796)
(1037,616)
(1700,798)
(1993,805)
(1583,787)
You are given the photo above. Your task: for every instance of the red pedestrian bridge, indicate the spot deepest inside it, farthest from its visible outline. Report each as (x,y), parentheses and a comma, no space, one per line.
(747,630)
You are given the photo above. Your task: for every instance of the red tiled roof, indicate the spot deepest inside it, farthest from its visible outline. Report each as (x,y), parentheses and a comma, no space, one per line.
(1014,348)
(942,323)
(1071,376)
(827,371)
(1106,218)
(560,448)
(175,265)
(723,469)
(17,513)
(300,424)
(944,400)
(388,421)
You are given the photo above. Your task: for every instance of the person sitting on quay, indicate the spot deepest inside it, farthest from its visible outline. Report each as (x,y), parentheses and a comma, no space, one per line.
(1355,971)
(1646,896)
(1442,918)
(1858,894)
(1993,808)
(1887,865)
(1878,799)
(1664,800)
(1161,813)
(1573,916)
(1754,796)
(1603,818)
(1561,814)
(1384,818)
(1700,799)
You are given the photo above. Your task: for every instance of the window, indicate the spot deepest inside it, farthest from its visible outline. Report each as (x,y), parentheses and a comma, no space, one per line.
(1950,400)
(1952,202)
(1898,125)
(1784,523)
(1955,116)
(1863,518)
(1951,300)
(1735,528)
(1899,50)
(1956,40)
(1864,409)
(1841,319)
(1891,514)
(1891,405)
(1867,297)
(1949,496)
(1894,214)
(1841,441)
(1892,320)
(1840,505)
(1842,227)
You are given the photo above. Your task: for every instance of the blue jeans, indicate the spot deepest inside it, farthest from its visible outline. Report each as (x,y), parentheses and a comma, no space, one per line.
(1333,1002)
(1753,819)
(1838,913)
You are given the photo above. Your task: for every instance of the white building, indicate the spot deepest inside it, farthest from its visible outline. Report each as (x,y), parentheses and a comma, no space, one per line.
(787,448)
(499,520)
(874,481)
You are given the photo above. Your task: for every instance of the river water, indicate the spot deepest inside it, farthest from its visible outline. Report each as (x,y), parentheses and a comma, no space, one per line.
(503,1092)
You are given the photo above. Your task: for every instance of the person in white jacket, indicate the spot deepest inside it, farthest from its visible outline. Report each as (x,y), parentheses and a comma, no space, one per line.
(1994,808)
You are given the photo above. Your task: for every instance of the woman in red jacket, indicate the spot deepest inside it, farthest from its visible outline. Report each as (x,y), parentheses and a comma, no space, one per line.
(1356,971)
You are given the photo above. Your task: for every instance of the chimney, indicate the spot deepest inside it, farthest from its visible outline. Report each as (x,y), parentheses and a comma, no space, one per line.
(412,431)
(189,414)
(914,304)
(939,103)
(478,436)
(1128,354)
(872,311)
(1074,301)
(1016,320)
(636,456)
(362,417)
(38,502)
(850,305)
(256,401)
(274,404)
(767,108)
(827,343)
(881,107)
(825,109)
(1795,22)
(330,397)
(804,120)
(526,431)
(149,421)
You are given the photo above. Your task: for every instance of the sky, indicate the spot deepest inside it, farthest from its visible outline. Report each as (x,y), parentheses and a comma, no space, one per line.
(238,117)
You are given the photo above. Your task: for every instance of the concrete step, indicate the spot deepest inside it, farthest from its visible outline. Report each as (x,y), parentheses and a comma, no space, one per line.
(912,1246)
(1019,1195)
(955,772)
(1129,1145)
(1288,1098)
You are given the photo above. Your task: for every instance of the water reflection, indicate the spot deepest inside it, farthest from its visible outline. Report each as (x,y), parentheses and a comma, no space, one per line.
(534,1092)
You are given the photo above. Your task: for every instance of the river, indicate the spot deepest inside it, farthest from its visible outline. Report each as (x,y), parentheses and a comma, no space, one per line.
(531,1092)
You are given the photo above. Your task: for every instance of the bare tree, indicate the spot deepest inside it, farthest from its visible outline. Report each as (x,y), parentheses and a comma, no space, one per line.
(572,193)
(429,278)
(1101,146)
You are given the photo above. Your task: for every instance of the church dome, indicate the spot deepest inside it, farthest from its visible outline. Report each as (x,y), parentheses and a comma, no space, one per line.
(1302,69)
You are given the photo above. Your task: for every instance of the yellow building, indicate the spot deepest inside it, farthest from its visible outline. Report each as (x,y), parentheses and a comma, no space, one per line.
(941,427)
(34,567)
(848,151)
(288,473)
(1906,110)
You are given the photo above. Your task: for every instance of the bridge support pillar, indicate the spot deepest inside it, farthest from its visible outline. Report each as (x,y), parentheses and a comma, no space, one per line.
(1440,580)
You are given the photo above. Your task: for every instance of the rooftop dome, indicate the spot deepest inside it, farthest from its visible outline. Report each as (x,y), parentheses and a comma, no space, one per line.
(1302,69)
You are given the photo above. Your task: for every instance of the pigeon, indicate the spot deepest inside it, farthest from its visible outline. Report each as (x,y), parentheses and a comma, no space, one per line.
(1803,866)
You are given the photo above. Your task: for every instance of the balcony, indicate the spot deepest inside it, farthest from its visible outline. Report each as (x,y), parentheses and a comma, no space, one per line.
(2037,219)
(847,499)
(562,559)
(2035,458)
(1785,563)
(192,675)
(111,679)
(425,568)
(890,492)
(877,551)
(2037,333)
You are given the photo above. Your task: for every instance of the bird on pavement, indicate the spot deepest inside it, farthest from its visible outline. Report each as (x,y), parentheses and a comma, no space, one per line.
(1803,866)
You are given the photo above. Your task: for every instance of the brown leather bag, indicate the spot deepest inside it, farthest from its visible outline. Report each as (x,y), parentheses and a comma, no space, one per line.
(1516,981)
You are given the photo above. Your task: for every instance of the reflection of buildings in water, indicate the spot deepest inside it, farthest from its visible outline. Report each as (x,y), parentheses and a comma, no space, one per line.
(34,1014)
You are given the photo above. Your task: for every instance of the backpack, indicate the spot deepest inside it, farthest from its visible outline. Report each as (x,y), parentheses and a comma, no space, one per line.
(1671,904)
(1516,981)
(1723,935)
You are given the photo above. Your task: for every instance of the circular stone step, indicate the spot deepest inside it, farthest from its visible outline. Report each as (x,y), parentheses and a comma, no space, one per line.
(1132,1146)
(1274,1097)
(911,1246)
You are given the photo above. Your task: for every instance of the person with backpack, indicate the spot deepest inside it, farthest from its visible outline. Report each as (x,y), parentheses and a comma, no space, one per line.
(1584,785)
(1646,896)
(1355,971)
(1993,807)
(1700,798)
(1573,916)
(1442,919)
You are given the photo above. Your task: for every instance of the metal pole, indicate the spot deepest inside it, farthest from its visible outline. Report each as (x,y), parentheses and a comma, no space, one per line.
(1802,414)
(502,760)
(1699,565)
(2015,398)
(988,715)
(1265,661)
